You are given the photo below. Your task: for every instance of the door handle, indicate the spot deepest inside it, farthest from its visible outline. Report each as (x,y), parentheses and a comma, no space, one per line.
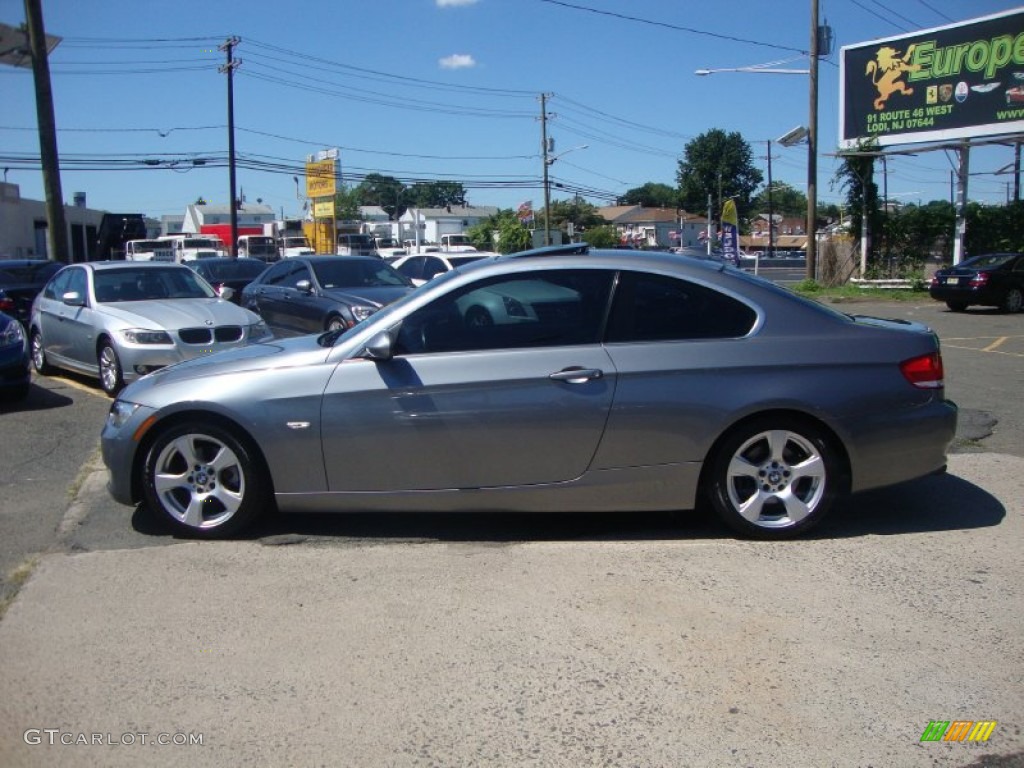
(577,375)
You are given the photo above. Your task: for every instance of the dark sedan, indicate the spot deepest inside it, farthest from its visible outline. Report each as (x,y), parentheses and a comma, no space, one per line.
(14,358)
(21,280)
(228,272)
(989,280)
(317,293)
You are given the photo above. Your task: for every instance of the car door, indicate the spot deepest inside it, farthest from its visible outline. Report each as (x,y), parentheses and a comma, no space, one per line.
(463,406)
(267,295)
(303,307)
(49,317)
(78,321)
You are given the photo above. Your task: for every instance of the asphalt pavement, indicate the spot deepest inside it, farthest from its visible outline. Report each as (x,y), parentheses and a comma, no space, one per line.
(553,640)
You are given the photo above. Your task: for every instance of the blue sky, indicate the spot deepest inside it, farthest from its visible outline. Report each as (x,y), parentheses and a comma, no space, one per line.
(442,89)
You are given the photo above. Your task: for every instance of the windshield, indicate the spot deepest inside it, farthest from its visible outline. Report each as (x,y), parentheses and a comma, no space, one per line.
(201,242)
(111,285)
(357,273)
(148,245)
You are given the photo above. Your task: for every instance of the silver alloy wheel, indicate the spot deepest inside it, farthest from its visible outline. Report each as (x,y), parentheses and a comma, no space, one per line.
(199,481)
(38,354)
(110,370)
(776,479)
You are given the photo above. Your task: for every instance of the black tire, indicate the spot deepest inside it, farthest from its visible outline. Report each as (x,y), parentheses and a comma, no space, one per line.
(111,373)
(1013,301)
(203,480)
(774,478)
(478,317)
(334,323)
(39,354)
(957,306)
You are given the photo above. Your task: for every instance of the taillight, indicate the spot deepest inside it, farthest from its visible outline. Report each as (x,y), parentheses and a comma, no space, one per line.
(979,279)
(6,304)
(924,372)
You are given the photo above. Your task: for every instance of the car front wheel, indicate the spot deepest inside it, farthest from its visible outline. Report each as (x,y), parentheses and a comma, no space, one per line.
(1013,301)
(111,377)
(39,354)
(203,480)
(774,478)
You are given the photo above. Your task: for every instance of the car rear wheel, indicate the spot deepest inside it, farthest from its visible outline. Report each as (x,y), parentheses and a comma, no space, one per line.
(774,478)
(111,376)
(957,306)
(478,317)
(203,480)
(39,354)
(1013,301)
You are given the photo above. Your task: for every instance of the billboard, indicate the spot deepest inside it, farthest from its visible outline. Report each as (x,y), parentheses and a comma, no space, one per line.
(320,179)
(959,81)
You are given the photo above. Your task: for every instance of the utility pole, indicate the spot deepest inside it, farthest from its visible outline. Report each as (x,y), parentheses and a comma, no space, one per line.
(229,68)
(544,150)
(771,207)
(57,230)
(812,151)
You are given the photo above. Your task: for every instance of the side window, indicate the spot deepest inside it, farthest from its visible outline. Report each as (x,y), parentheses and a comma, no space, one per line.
(78,283)
(657,308)
(542,309)
(411,268)
(300,272)
(57,287)
(278,273)
(433,266)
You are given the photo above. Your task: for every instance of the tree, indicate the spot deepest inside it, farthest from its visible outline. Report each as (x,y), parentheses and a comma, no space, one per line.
(786,201)
(437,194)
(855,178)
(386,191)
(503,232)
(346,203)
(582,214)
(652,195)
(719,164)
(603,236)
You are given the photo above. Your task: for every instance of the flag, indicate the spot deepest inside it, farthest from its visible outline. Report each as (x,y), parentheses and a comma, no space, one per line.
(525,211)
(730,232)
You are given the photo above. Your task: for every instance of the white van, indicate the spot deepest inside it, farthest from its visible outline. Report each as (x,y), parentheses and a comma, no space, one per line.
(262,247)
(356,245)
(191,247)
(148,250)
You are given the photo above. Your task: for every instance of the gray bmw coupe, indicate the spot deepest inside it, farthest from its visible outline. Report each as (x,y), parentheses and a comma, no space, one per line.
(553,380)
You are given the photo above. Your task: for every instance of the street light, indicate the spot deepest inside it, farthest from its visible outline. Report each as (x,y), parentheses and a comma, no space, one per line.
(547,183)
(821,37)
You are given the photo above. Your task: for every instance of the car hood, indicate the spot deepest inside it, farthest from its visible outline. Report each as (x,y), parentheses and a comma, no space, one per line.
(377,296)
(279,353)
(180,313)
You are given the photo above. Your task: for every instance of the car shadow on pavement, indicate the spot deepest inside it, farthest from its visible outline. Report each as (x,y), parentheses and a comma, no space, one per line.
(38,399)
(937,503)
(930,504)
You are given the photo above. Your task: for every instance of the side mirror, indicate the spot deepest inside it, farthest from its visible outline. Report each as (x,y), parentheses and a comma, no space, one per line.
(73,299)
(379,348)
(305,286)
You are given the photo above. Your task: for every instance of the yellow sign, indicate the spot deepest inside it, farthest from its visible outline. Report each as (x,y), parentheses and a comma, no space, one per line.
(324,210)
(320,179)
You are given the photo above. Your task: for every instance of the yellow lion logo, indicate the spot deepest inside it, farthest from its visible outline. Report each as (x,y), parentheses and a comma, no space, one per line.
(891,67)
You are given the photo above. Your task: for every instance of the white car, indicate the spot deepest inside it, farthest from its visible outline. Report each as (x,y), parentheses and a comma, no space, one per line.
(424,266)
(295,245)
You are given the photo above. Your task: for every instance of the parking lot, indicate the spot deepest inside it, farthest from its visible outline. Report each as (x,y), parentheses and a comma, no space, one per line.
(568,640)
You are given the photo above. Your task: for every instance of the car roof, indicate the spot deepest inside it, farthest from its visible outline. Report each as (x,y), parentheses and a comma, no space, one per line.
(103,266)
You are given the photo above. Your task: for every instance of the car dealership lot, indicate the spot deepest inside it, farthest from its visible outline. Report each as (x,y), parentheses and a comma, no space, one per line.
(613,639)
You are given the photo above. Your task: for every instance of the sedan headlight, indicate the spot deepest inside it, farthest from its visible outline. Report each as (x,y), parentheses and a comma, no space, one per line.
(12,334)
(145,336)
(259,331)
(361,313)
(119,414)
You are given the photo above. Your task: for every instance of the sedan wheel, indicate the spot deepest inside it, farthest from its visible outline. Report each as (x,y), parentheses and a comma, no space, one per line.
(111,378)
(203,480)
(773,479)
(335,324)
(39,355)
(1013,301)
(957,306)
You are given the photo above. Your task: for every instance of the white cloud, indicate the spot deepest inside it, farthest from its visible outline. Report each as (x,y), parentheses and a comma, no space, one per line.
(454,3)
(457,60)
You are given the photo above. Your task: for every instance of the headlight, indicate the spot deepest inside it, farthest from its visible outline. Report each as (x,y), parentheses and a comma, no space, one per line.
(12,334)
(361,313)
(259,331)
(119,414)
(143,336)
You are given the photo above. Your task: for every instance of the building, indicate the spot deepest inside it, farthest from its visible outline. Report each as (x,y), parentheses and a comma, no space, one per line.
(23,226)
(434,222)
(655,227)
(206,219)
